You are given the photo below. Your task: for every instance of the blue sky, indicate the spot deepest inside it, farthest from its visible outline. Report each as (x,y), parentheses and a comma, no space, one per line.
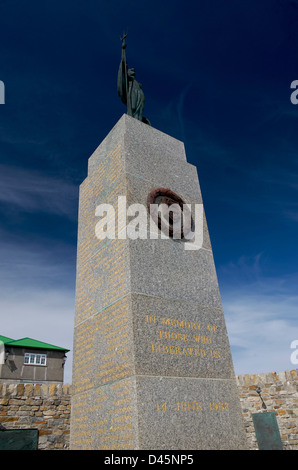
(217,76)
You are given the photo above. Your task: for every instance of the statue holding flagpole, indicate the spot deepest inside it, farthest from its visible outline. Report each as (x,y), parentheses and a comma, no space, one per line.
(129,90)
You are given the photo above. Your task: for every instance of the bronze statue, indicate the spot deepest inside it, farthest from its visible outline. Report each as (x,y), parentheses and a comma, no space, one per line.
(129,90)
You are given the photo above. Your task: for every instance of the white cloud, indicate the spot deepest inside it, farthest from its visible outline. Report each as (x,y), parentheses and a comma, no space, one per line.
(262,318)
(31,191)
(43,314)
(37,295)
(261,330)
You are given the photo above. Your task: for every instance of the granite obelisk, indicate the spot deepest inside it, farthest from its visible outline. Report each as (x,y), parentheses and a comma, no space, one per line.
(152,366)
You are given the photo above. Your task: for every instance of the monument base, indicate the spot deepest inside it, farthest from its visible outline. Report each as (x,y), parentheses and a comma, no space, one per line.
(152,367)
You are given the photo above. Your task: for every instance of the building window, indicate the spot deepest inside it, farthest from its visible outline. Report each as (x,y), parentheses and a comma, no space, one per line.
(36,359)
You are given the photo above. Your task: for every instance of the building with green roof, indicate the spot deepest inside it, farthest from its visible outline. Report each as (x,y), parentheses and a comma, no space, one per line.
(28,360)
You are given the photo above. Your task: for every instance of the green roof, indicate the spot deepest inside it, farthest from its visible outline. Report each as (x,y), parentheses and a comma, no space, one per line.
(30,343)
(5,339)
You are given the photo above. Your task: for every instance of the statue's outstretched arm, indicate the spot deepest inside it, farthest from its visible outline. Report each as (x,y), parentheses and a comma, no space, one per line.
(122,84)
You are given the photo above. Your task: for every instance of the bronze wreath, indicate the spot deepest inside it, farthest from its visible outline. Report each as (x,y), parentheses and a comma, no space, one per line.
(166,196)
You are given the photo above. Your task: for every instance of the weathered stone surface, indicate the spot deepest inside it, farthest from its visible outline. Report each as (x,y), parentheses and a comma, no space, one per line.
(187,413)
(152,367)
(280,389)
(179,338)
(280,394)
(23,408)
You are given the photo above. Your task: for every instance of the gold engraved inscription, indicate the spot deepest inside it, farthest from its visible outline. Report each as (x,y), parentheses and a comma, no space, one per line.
(188,406)
(192,406)
(190,334)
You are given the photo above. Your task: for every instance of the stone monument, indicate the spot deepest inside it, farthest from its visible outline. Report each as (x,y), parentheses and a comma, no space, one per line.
(152,366)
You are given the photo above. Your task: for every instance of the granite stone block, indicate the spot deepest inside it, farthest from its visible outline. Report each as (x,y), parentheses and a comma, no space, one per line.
(186,413)
(152,367)
(179,338)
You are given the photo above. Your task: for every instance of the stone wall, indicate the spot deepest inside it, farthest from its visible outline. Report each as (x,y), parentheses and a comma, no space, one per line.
(280,394)
(47,408)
